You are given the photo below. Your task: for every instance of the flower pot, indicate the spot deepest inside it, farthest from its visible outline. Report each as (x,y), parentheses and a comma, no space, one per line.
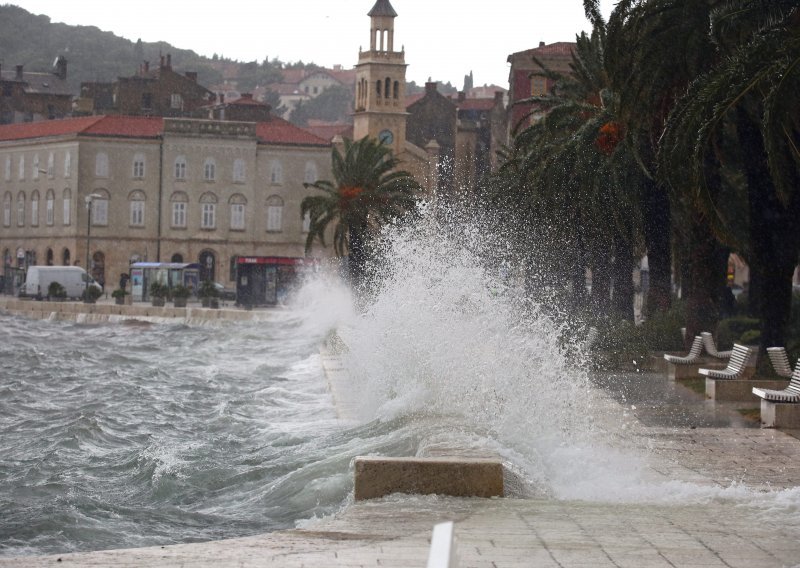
(158,302)
(179,302)
(120,301)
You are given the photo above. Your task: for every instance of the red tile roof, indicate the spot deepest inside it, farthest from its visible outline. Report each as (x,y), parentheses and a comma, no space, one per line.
(328,131)
(127,127)
(280,131)
(276,131)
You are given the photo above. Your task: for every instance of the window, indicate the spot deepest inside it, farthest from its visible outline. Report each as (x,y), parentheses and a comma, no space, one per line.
(138,166)
(237,203)
(20,209)
(35,209)
(67,164)
(100,211)
(238,170)
(8,168)
(310,175)
(179,200)
(51,165)
(276,172)
(307,222)
(180,167)
(22,167)
(147,100)
(396,90)
(538,86)
(101,165)
(50,213)
(208,209)
(35,167)
(67,199)
(274,214)
(137,209)
(209,169)
(176,101)
(7,210)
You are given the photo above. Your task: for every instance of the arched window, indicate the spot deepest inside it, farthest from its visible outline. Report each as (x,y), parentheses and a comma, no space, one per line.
(180,167)
(51,165)
(22,167)
(138,166)
(378,85)
(177,257)
(209,169)
(35,167)
(310,174)
(387,92)
(179,202)
(49,257)
(274,214)
(50,213)
(101,165)
(208,210)
(239,170)
(8,168)
(20,209)
(67,164)
(67,206)
(35,209)
(397,89)
(238,203)
(276,172)
(7,209)
(136,199)
(65,257)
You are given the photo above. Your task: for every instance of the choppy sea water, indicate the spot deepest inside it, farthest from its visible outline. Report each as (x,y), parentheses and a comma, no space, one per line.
(127,435)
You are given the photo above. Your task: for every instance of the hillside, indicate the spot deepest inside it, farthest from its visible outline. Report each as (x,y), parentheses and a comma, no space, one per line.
(93,55)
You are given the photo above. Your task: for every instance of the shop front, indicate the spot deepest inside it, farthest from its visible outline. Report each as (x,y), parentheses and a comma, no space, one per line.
(143,274)
(268,280)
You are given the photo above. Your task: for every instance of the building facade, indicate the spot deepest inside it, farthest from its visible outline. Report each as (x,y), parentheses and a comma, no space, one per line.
(30,97)
(116,190)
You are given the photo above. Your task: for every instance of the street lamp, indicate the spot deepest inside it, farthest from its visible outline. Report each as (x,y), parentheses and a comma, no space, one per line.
(89,199)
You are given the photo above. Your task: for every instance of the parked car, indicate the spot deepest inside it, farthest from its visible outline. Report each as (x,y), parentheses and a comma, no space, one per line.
(224,293)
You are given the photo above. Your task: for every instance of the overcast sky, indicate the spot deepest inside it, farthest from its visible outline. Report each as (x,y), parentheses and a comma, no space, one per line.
(443,39)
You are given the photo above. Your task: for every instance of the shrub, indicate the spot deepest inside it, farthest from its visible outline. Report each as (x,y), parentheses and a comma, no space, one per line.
(92,293)
(159,290)
(56,290)
(119,293)
(181,291)
(731,330)
(207,290)
(662,331)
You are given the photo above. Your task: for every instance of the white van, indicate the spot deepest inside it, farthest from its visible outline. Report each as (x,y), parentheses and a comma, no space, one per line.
(72,278)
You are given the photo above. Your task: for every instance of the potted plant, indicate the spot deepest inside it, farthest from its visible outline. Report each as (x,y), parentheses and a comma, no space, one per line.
(208,294)
(158,294)
(119,296)
(91,294)
(180,294)
(56,292)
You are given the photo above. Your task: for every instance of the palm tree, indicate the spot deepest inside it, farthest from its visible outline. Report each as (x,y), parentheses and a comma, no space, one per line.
(367,192)
(742,115)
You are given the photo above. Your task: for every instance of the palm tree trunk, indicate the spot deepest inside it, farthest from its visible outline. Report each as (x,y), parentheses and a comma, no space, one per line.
(357,260)
(773,236)
(657,240)
(622,269)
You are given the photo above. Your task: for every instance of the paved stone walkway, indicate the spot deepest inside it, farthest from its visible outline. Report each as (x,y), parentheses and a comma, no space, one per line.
(745,513)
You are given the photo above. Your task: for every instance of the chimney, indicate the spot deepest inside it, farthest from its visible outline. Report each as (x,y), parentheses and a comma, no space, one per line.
(430,87)
(61,67)
(222,98)
(541,44)
(19,73)
(498,96)
(162,62)
(169,61)
(146,66)
(192,75)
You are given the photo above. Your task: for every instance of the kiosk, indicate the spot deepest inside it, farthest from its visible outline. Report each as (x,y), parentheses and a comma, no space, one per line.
(170,273)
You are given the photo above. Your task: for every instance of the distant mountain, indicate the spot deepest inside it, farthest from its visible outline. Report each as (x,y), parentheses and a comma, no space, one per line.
(92,54)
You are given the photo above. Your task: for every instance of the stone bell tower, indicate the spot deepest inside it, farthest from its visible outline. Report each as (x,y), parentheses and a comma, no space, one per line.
(381,83)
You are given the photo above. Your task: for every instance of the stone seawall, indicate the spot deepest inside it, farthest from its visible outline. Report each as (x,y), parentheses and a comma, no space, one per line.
(103,312)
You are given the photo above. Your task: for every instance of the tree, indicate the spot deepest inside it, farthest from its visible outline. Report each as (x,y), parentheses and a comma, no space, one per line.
(334,104)
(367,192)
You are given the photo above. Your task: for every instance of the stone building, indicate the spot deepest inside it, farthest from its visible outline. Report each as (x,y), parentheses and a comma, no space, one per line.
(380,104)
(434,116)
(30,97)
(522,85)
(160,189)
(160,91)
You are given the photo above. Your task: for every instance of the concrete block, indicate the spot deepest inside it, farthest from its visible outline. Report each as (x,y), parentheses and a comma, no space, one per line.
(459,477)
(677,372)
(780,414)
(726,390)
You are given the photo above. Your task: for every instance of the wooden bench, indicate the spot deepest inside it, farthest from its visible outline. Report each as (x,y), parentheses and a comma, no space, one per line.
(740,357)
(711,346)
(789,394)
(780,361)
(691,357)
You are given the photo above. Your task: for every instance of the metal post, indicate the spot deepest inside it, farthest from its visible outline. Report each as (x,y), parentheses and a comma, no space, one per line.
(88,242)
